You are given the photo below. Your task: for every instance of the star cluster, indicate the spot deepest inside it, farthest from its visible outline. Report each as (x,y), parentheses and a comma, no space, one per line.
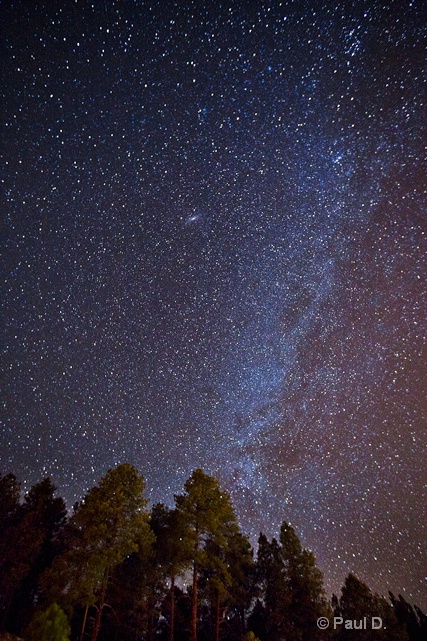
(214,256)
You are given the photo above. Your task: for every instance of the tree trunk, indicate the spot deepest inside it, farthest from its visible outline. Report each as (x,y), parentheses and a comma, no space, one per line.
(194,597)
(172,617)
(82,631)
(101,602)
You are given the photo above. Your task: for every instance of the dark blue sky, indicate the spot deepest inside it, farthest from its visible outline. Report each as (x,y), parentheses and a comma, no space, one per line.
(214,256)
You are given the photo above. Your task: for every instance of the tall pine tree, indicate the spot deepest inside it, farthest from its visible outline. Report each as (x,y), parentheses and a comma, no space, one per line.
(208,515)
(291,595)
(110,523)
(28,549)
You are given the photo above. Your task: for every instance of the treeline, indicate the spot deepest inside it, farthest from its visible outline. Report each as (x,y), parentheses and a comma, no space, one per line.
(114,570)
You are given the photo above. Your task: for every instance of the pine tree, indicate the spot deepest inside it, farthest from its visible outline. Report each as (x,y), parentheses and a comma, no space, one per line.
(270,617)
(357,602)
(305,582)
(9,499)
(173,550)
(10,510)
(110,523)
(290,589)
(208,515)
(49,625)
(411,618)
(28,548)
(240,591)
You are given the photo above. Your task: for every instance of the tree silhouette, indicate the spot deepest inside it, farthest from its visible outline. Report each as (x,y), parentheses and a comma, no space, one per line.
(28,547)
(357,602)
(291,595)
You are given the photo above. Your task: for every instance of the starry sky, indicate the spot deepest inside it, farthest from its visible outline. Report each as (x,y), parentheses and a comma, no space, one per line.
(214,255)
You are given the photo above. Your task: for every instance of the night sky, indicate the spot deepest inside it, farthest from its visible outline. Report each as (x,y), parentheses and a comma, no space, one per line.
(214,255)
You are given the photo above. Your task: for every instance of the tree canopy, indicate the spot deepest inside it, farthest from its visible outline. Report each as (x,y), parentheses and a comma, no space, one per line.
(114,569)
